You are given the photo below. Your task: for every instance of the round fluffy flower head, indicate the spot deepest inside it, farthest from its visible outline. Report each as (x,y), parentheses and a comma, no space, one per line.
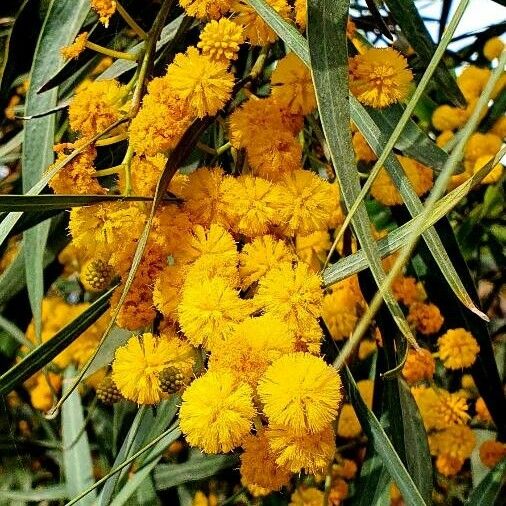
(451,409)
(292,86)
(167,290)
(458,349)
(301,450)
(220,40)
(307,496)
(482,145)
(256,31)
(419,366)
(313,248)
(494,175)
(482,412)
(216,413)
(426,318)
(209,310)
(307,204)
(499,128)
(472,81)
(493,48)
(214,246)
(445,117)
(203,196)
(292,294)
(253,345)
(448,466)
(251,204)
(420,177)
(136,367)
(95,106)
(492,452)
(205,84)
(300,391)
(105,9)
(258,467)
(407,290)
(260,256)
(341,310)
(362,149)
(457,441)
(380,77)
(201,9)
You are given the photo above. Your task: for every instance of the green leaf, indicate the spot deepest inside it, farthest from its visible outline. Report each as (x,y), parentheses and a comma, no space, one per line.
(11,144)
(413,28)
(77,463)
(373,485)
(487,492)
(328,50)
(201,467)
(62,23)
(48,493)
(39,203)
(381,443)
(44,353)
(120,67)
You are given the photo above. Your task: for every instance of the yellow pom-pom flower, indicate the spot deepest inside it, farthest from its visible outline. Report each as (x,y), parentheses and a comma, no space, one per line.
(446,117)
(492,452)
(209,310)
(105,9)
(258,466)
(307,204)
(292,86)
(300,391)
(380,77)
(137,364)
(458,349)
(216,412)
(419,366)
(202,9)
(296,451)
(254,344)
(292,294)
(313,248)
(261,255)
(457,442)
(307,496)
(493,48)
(251,204)
(167,290)
(205,84)
(426,318)
(220,40)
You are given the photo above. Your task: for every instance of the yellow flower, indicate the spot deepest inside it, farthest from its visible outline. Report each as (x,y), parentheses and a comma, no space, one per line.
(95,106)
(444,137)
(366,348)
(256,31)
(300,391)
(494,175)
(261,255)
(167,290)
(258,467)
(205,84)
(253,345)
(426,318)
(137,364)
(492,452)
(482,145)
(260,117)
(274,154)
(200,9)
(209,310)
(251,204)
(380,77)
(419,366)
(457,442)
(458,349)
(447,465)
(345,468)
(42,394)
(220,40)
(307,497)
(446,117)
(472,81)
(216,413)
(300,9)
(292,294)
(292,86)
(76,177)
(105,9)
(493,48)
(407,290)
(301,450)
(73,51)
(203,196)
(499,127)
(482,412)
(307,204)
(313,248)
(420,177)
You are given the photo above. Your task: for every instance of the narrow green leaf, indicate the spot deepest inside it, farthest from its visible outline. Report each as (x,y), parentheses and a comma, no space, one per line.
(48,493)
(487,492)
(15,332)
(373,483)
(120,67)
(413,28)
(62,23)
(201,467)
(395,240)
(44,353)
(328,50)
(39,203)
(381,443)
(11,144)
(77,463)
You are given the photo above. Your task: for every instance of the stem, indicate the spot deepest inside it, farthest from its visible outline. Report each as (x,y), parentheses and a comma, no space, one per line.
(206,149)
(111,52)
(112,140)
(222,149)
(130,21)
(126,164)
(108,172)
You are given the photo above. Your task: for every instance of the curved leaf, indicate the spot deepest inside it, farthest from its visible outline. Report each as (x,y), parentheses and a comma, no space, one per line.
(487,492)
